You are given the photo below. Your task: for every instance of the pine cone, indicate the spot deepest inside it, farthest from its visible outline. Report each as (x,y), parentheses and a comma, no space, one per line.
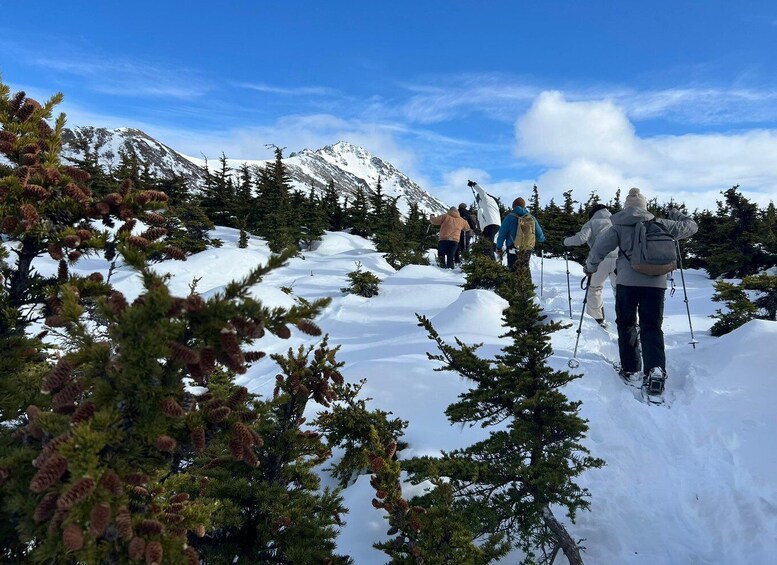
(308,327)
(154,219)
(218,415)
(78,491)
(55,251)
(127,226)
(283,332)
(45,508)
(57,377)
(51,471)
(117,302)
(73,537)
(67,396)
(166,444)
(198,439)
(124,523)
(113,199)
(83,412)
(152,234)
(172,408)
(36,191)
(252,356)
(154,553)
(71,241)
(151,527)
(237,397)
(180,497)
(136,548)
(99,519)
(137,241)
(183,353)
(111,482)
(174,252)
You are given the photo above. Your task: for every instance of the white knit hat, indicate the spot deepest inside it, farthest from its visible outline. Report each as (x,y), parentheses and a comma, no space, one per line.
(635,199)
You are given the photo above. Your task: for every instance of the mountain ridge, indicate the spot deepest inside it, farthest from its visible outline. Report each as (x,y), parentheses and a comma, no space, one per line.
(349,166)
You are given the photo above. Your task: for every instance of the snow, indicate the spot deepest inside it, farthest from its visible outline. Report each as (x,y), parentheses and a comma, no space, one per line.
(691,483)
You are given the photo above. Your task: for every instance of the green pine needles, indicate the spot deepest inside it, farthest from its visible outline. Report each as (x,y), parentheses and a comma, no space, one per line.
(509,481)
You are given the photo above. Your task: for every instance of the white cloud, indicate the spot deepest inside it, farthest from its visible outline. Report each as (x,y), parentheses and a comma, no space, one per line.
(285,91)
(593,145)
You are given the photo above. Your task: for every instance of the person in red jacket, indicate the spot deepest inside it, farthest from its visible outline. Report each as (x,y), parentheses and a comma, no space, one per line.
(451,226)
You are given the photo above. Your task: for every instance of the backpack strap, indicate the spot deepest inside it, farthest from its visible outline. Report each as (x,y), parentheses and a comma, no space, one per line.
(517,227)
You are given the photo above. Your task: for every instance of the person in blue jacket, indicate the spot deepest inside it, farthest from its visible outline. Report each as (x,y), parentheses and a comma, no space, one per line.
(518,235)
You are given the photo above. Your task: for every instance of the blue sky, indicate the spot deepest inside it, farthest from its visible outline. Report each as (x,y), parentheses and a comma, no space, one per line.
(677,97)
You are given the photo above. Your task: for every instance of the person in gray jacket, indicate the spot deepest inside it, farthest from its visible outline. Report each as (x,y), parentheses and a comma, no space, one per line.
(598,221)
(637,293)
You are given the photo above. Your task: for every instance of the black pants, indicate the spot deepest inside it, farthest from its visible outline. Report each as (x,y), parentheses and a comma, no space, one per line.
(647,303)
(446,251)
(489,232)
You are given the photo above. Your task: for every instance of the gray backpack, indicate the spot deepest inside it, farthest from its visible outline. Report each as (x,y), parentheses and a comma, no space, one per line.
(653,250)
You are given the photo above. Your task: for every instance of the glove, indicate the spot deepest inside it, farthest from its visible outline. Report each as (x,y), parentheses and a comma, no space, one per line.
(471,183)
(499,254)
(675,214)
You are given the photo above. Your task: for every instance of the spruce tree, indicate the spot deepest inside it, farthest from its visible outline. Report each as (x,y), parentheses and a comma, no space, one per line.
(558,223)
(219,196)
(46,207)
(333,210)
(275,213)
(358,214)
(530,462)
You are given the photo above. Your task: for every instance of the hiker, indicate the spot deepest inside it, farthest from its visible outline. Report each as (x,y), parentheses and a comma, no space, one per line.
(488,217)
(639,297)
(466,235)
(451,226)
(598,221)
(519,233)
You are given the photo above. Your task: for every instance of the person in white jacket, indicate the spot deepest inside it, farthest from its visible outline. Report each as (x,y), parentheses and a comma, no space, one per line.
(598,221)
(489,218)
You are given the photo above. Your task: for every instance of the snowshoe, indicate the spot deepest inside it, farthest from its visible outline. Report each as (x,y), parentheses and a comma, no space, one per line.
(653,385)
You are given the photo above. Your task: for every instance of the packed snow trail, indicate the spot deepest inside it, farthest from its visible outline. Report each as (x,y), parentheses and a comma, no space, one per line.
(695,483)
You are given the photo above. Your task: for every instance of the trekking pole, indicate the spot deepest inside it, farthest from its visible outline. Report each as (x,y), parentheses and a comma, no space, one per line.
(569,290)
(542,266)
(693,341)
(574,363)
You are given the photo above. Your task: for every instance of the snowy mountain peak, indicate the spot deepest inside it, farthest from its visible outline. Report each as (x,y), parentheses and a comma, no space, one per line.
(349,166)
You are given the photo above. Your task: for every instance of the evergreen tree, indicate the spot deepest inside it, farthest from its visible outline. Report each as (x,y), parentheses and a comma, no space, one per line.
(615,205)
(433,528)
(754,298)
(314,222)
(358,214)
(731,242)
(377,206)
(219,196)
(559,223)
(49,208)
(511,479)
(534,202)
(332,209)
(275,218)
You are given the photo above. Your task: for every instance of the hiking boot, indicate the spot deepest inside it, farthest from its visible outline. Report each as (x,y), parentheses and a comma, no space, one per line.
(629,377)
(654,381)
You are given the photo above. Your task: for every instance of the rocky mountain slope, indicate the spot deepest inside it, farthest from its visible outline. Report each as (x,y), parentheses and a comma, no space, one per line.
(349,166)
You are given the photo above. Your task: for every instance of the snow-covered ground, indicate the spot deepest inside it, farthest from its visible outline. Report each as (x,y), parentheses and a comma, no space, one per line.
(690,483)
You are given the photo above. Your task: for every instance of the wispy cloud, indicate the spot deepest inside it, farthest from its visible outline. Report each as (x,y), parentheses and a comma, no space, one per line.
(285,91)
(129,79)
